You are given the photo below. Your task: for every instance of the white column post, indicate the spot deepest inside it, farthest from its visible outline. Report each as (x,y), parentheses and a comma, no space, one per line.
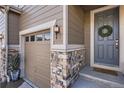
(6,39)
(65,26)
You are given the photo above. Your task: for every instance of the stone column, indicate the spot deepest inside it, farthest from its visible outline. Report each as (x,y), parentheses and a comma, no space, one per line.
(3,80)
(65,67)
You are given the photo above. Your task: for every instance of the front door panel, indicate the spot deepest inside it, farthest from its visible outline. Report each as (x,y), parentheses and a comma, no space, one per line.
(107,48)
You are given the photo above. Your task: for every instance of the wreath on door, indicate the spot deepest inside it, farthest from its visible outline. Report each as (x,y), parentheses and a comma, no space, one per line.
(105,31)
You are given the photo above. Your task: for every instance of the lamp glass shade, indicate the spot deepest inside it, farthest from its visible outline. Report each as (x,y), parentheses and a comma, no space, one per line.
(56,29)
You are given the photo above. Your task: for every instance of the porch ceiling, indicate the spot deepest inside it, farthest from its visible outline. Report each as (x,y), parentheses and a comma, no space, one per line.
(90,7)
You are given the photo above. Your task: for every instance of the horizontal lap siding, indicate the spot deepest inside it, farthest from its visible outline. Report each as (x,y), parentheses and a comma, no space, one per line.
(36,15)
(2,29)
(87,35)
(75,25)
(13,37)
(2,22)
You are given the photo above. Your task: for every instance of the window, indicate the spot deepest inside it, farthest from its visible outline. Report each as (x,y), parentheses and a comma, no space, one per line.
(39,37)
(32,38)
(47,36)
(43,36)
(27,38)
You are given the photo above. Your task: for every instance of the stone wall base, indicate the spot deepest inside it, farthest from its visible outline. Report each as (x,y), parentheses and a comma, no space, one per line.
(65,67)
(2,64)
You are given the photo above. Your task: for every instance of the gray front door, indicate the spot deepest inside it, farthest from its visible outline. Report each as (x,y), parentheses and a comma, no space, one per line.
(107,48)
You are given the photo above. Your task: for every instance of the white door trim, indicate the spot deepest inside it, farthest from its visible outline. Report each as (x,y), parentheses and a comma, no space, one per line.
(92,13)
(47,25)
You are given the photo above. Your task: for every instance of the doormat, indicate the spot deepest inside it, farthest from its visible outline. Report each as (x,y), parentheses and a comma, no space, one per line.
(106,71)
(15,84)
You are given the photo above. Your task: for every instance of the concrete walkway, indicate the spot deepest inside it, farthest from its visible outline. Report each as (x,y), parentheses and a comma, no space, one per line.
(113,81)
(85,83)
(80,83)
(24,85)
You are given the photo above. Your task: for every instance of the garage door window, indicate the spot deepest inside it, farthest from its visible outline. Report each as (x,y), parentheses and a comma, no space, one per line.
(32,38)
(27,38)
(39,37)
(47,36)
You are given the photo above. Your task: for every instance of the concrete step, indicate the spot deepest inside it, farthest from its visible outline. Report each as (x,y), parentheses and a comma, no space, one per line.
(107,79)
(85,83)
(101,80)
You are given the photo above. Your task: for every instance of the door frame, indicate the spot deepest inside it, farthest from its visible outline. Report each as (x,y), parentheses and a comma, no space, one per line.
(92,63)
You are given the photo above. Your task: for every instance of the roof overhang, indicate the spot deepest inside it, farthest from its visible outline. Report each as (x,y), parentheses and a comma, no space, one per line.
(90,7)
(12,8)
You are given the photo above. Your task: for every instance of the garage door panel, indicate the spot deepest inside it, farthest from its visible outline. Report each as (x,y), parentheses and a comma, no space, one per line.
(43,84)
(37,61)
(44,63)
(43,77)
(42,73)
(41,69)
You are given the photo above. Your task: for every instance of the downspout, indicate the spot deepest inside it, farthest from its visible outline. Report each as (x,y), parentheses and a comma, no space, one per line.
(6,41)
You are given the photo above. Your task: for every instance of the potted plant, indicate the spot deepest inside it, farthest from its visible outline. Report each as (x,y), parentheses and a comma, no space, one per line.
(14,64)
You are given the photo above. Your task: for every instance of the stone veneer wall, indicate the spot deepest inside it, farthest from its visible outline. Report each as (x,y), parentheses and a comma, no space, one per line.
(3,60)
(2,63)
(65,67)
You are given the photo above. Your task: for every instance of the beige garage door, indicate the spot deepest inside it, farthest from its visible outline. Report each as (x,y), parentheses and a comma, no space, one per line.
(37,58)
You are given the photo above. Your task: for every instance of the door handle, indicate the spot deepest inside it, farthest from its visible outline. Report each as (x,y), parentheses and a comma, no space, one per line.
(116,43)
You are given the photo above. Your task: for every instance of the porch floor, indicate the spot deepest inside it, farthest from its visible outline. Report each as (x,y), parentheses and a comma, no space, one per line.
(84,83)
(25,85)
(15,84)
(98,79)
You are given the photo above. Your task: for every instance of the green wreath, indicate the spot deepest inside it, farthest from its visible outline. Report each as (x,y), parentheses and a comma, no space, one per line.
(105,31)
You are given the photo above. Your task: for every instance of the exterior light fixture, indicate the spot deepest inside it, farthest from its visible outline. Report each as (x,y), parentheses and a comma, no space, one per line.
(56,30)
(1,36)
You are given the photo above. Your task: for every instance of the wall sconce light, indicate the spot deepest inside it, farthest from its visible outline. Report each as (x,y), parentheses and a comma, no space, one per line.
(1,36)
(56,30)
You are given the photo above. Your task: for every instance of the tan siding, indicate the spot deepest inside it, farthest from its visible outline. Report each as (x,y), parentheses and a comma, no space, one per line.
(27,8)
(87,35)
(13,37)
(75,25)
(36,15)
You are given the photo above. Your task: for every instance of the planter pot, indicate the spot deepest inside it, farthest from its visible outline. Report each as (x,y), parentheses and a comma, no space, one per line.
(15,75)
(3,82)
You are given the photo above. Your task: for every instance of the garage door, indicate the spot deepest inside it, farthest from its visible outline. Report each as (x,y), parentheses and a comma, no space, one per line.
(37,58)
